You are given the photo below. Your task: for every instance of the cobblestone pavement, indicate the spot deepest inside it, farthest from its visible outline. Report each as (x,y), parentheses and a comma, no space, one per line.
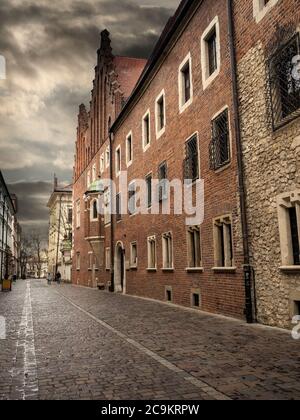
(66,342)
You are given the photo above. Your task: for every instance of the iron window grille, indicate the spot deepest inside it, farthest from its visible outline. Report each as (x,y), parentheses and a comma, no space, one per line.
(220,144)
(284,83)
(191,161)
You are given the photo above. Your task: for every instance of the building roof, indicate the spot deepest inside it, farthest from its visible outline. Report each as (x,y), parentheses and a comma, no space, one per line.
(159,49)
(2,181)
(129,71)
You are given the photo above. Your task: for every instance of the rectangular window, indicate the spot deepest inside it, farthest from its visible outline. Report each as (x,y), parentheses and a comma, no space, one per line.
(118,161)
(94,173)
(129,149)
(91,261)
(191,162)
(107,157)
(220,144)
(194,247)
(146,131)
(160,115)
(133,255)
(70,216)
(185,83)
(132,198)
(102,162)
(78,214)
(210,53)
(196,300)
(169,294)
(163,181)
(78,261)
(223,242)
(107,259)
(149,190)
(118,207)
(289,228)
(284,77)
(152,253)
(107,206)
(167,245)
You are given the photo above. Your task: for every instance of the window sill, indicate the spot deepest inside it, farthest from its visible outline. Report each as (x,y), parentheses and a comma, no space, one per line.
(152,270)
(160,133)
(224,269)
(290,269)
(168,270)
(194,270)
(185,106)
(223,168)
(133,268)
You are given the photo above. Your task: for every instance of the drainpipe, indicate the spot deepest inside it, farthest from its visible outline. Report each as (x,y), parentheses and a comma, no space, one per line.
(248,272)
(2,237)
(112,229)
(58,237)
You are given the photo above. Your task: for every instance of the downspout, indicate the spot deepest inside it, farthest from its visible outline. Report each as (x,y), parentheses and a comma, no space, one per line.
(2,237)
(112,229)
(248,272)
(58,237)
(6,244)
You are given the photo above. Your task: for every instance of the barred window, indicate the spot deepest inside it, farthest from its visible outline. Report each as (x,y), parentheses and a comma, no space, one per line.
(191,162)
(284,77)
(220,144)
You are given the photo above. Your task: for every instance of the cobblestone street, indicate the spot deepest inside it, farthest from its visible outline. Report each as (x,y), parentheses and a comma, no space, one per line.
(66,342)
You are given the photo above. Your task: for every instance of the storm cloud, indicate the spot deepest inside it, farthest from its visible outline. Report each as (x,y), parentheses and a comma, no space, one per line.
(50,50)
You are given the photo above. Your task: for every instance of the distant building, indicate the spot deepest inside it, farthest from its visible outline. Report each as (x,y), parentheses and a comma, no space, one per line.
(10,232)
(60,231)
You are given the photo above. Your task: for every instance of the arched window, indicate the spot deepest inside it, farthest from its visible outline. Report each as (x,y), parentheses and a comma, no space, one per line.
(94,210)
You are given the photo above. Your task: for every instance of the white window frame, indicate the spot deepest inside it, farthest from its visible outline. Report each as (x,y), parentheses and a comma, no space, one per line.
(102,163)
(118,170)
(260,10)
(184,105)
(78,214)
(284,202)
(160,131)
(132,263)
(151,239)
(146,146)
(129,162)
(107,157)
(206,78)
(107,259)
(223,220)
(166,237)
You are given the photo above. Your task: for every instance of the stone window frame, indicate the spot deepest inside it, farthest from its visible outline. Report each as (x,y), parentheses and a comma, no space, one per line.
(90,260)
(150,240)
(206,78)
(190,268)
(147,203)
(260,9)
(102,163)
(107,157)
(94,172)
(160,131)
(78,214)
(107,207)
(146,115)
(92,218)
(129,136)
(107,259)
(118,157)
(284,202)
(223,220)
(78,261)
(118,207)
(182,104)
(213,118)
(88,179)
(167,236)
(133,265)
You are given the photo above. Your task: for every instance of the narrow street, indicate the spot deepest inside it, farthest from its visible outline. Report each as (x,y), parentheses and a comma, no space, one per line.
(66,342)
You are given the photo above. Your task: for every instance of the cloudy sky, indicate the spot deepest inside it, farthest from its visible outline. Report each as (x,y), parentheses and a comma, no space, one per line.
(50,51)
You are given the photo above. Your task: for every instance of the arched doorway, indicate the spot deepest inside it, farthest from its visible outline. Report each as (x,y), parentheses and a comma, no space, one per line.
(119,268)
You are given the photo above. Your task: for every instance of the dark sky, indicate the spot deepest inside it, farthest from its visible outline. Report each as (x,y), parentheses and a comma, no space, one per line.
(50,50)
